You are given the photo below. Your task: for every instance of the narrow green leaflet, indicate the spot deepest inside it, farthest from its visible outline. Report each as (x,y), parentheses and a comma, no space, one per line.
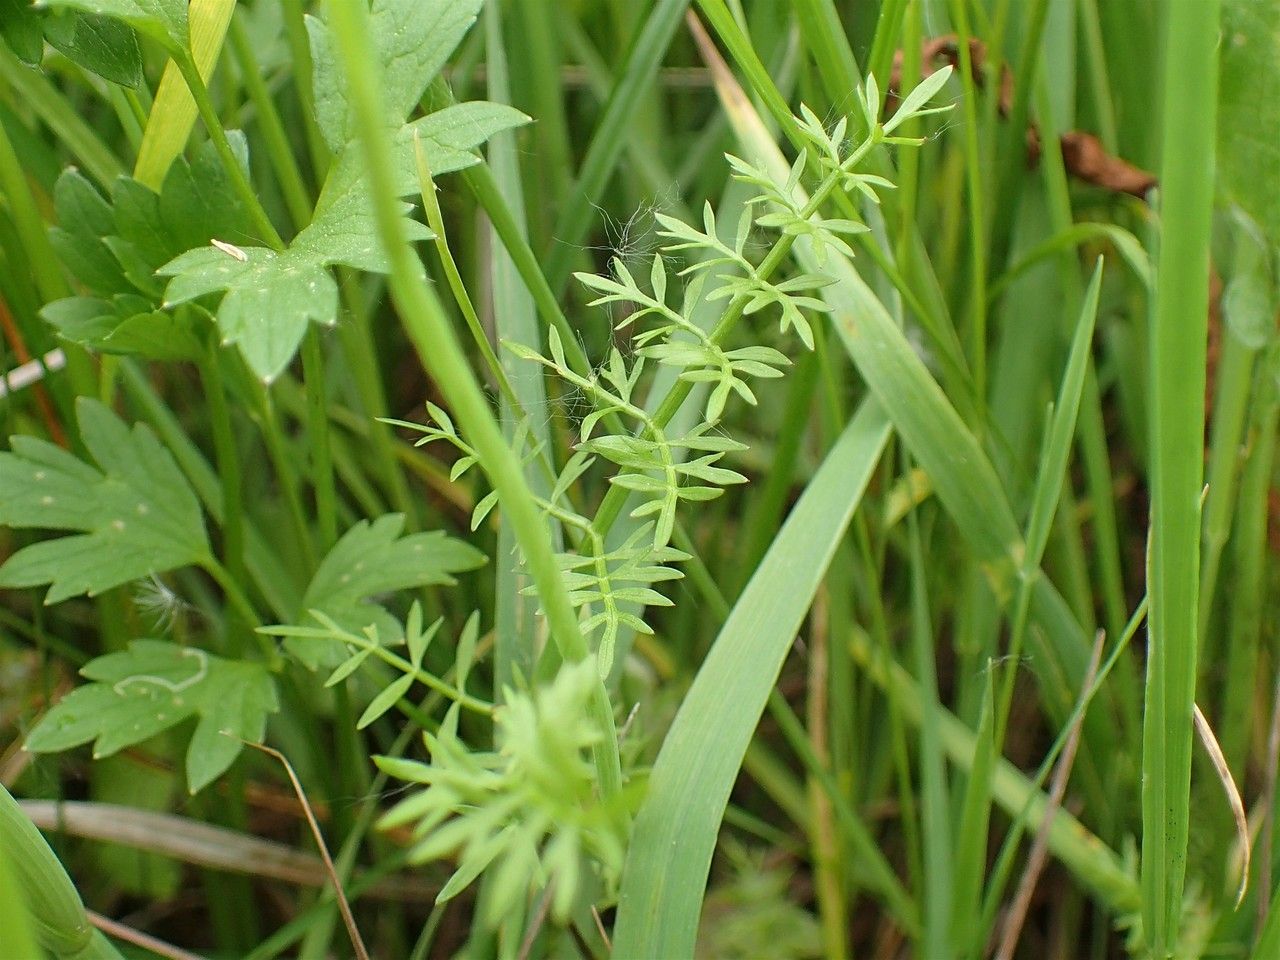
(370,559)
(137,513)
(154,686)
(413,39)
(162,20)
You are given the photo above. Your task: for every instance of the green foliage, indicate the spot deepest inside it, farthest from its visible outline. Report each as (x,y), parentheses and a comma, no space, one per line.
(163,20)
(372,559)
(153,686)
(115,248)
(413,38)
(137,513)
(22,30)
(273,295)
(696,356)
(676,703)
(270,297)
(101,45)
(530,810)
(752,908)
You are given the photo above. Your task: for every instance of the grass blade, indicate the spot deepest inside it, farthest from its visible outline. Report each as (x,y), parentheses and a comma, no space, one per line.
(607,142)
(59,917)
(938,876)
(1177,461)
(676,828)
(1095,864)
(514,319)
(174,112)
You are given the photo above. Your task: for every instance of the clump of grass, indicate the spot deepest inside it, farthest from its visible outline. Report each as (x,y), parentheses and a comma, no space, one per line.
(753,587)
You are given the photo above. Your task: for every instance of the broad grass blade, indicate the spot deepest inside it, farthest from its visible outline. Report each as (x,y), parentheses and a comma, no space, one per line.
(676,828)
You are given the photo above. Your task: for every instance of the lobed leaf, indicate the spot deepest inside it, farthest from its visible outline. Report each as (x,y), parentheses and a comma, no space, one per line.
(138,514)
(370,559)
(270,298)
(153,686)
(103,46)
(413,38)
(162,20)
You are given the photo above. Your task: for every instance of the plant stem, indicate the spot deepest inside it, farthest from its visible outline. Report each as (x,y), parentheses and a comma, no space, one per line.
(228,459)
(441,354)
(296,197)
(239,181)
(318,435)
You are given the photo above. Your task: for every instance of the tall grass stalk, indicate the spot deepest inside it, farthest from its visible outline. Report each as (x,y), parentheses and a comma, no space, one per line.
(1177,470)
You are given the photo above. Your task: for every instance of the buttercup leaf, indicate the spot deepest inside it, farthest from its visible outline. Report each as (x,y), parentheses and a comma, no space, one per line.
(370,559)
(154,686)
(162,20)
(101,45)
(413,39)
(270,298)
(137,513)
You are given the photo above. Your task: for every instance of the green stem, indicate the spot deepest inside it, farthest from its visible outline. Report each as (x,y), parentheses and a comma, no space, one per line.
(276,140)
(228,460)
(362,361)
(456,286)
(431,334)
(295,33)
(283,463)
(235,594)
(977,210)
(481,182)
(33,89)
(318,435)
(1231,400)
(30,225)
(239,181)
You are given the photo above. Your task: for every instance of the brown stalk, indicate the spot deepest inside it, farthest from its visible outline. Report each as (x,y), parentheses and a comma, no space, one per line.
(120,931)
(343,906)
